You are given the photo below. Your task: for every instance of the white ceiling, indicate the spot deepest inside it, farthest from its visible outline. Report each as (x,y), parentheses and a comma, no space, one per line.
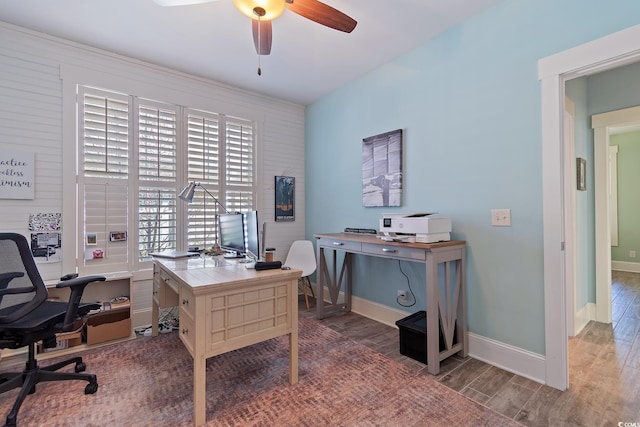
(214,40)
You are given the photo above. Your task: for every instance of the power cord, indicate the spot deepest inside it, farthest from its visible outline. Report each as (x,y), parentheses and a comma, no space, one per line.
(170,318)
(410,295)
(168,322)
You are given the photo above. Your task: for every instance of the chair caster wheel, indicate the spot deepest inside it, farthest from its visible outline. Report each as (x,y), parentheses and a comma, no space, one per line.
(80,367)
(91,388)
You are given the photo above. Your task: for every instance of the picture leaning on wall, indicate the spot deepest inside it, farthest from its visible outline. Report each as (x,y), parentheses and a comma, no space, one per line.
(382,169)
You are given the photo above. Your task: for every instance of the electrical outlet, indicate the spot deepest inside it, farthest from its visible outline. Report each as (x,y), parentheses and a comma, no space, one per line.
(632,254)
(501,217)
(402,295)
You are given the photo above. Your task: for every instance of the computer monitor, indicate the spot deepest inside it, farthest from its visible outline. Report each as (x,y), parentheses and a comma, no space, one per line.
(232,237)
(252,234)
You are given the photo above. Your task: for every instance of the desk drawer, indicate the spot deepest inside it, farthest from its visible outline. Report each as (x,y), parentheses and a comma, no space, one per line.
(187,302)
(342,245)
(187,332)
(394,252)
(163,293)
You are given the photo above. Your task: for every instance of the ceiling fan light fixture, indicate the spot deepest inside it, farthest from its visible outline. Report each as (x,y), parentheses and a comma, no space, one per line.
(272,8)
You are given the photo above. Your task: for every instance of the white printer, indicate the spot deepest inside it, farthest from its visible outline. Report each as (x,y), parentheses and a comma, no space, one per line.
(424,226)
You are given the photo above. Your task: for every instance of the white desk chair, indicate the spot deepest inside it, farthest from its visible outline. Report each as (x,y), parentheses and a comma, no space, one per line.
(301,256)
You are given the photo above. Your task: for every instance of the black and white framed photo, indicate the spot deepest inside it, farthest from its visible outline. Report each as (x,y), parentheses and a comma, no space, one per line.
(382,169)
(285,198)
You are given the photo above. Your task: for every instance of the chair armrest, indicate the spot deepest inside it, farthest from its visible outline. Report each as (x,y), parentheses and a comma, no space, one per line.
(77,286)
(80,281)
(5,278)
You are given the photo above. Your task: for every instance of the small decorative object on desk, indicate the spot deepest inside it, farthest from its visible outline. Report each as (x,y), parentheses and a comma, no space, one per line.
(268,254)
(119,302)
(215,250)
(268,265)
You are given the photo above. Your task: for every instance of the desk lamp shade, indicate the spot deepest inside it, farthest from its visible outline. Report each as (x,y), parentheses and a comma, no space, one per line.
(188,192)
(187,195)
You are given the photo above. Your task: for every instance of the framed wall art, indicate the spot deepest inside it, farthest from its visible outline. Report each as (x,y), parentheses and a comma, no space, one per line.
(285,198)
(382,169)
(581,174)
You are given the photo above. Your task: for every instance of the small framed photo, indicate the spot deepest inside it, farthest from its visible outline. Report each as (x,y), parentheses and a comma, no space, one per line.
(118,236)
(581,174)
(92,239)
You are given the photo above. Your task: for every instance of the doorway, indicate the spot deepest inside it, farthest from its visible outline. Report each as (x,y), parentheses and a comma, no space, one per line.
(604,125)
(609,52)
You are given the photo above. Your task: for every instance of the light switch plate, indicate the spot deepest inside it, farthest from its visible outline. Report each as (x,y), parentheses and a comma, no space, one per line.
(501,217)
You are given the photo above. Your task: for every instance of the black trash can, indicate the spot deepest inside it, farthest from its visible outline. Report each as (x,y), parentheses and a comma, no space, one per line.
(413,336)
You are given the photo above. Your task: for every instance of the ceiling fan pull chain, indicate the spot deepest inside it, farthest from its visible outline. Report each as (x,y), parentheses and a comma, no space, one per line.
(259,40)
(259,44)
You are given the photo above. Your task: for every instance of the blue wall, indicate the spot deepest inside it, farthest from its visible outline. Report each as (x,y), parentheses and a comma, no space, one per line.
(469,103)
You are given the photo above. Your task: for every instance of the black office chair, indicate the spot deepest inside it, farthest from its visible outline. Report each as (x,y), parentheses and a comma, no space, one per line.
(26,317)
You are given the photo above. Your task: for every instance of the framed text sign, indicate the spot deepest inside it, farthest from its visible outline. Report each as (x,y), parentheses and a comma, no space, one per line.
(17,176)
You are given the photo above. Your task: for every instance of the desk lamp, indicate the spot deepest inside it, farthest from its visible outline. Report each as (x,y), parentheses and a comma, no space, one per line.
(187,195)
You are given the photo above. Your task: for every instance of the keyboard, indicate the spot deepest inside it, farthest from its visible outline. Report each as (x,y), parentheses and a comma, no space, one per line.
(361,230)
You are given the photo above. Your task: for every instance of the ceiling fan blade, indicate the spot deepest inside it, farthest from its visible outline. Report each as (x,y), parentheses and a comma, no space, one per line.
(181,2)
(262,36)
(322,14)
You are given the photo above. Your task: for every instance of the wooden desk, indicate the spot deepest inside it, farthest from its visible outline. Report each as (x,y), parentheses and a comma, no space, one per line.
(446,298)
(223,308)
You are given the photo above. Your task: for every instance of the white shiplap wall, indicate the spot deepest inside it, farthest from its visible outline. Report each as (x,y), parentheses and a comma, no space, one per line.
(38,76)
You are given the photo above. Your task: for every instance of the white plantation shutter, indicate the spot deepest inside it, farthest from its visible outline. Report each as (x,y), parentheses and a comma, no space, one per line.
(156,221)
(203,166)
(105,208)
(239,164)
(103,185)
(134,156)
(157,142)
(157,172)
(105,131)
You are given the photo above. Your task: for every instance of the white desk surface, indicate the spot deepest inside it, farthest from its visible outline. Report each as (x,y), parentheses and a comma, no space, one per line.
(203,273)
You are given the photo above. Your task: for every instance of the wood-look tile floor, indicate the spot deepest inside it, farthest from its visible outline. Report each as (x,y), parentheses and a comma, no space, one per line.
(604,368)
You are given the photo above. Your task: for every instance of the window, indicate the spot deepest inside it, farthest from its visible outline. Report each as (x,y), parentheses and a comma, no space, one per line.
(136,155)
(157,140)
(239,164)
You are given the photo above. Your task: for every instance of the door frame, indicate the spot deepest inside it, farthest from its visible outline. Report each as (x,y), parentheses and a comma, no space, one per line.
(615,50)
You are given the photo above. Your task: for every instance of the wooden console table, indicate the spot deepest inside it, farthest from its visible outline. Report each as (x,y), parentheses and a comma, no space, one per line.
(225,306)
(446,300)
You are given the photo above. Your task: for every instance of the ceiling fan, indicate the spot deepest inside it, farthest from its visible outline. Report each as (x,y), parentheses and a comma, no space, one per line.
(262,12)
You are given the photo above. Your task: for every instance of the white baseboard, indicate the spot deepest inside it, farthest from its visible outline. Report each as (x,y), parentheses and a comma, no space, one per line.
(378,312)
(582,317)
(513,359)
(631,267)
